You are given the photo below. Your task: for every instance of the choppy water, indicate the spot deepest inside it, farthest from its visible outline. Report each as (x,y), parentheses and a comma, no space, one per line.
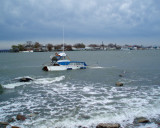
(81,97)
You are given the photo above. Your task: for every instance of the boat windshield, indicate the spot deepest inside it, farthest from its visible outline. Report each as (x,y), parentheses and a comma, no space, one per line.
(59,56)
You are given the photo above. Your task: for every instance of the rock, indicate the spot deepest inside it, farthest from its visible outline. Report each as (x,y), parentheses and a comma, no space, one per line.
(1,89)
(108,125)
(20,117)
(25,79)
(15,127)
(3,124)
(120,75)
(141,120)
(119,84)
(11,120)
(81,127)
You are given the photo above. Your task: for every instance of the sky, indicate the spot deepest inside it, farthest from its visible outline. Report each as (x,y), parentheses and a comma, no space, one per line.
(87,21)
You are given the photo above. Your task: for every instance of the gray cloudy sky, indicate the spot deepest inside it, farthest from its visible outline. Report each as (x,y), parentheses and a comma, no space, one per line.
(88,21)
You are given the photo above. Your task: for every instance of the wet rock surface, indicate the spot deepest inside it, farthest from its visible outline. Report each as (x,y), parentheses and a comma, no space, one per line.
(1,89)
(20,117)
(3,124)
(25,79)
(15,127)
(108,125)
(119,84)
(120,75)
(11,120)
(141,120)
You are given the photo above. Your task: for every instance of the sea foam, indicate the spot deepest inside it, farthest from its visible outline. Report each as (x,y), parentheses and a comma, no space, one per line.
(15,84)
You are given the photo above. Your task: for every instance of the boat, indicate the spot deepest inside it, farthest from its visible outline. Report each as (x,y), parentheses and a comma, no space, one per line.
(60,61)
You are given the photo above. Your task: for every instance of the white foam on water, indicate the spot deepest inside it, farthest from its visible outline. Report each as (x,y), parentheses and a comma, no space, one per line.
(36,81)
(71,105)
(14,85)
(49,80)
(96,67)
(100,67)
(124,118)
(17,78)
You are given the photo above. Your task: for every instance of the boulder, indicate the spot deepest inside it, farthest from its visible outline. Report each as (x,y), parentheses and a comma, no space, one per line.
(1,89)
(25,79)
(119,84)
(15,127)
(11,120)
(3,124)
(120,75)
(82,127)
(20,117)
(108,125)
(141,120)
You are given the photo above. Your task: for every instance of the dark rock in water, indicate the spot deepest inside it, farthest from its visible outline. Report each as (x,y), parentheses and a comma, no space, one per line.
(11,120)
(81,127)
(25,79)
(3,124)
(120,75)
(141,120)
(108,125)
(20,117)
(1,89)
(119,84)
(15,127)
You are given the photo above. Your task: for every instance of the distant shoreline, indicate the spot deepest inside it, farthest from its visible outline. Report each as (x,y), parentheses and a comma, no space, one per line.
(10,51)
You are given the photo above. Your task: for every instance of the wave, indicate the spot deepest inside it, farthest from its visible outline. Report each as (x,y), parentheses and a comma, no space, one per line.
(99,67)
(125,118)
(85,104)
(49,80)
(15,84)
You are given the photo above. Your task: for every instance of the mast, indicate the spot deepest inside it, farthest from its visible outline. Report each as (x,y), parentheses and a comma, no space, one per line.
(63,38)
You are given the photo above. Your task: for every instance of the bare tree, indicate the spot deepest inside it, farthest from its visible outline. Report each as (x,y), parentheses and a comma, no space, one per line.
(49,47)
(37,45)
(79,45)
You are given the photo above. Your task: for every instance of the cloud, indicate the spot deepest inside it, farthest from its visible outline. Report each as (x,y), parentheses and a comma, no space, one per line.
(81,19)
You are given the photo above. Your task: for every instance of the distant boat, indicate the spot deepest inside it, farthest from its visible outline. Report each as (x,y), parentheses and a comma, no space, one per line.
(27,51)
(61,62)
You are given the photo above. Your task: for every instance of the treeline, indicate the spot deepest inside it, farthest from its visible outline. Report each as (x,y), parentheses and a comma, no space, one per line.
(38,47)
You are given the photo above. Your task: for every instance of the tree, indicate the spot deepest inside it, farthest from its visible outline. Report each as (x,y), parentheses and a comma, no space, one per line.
(15,48)
(93,45)
(111,45)
(37,45)
(79,45)
(21,47)
(49,47)
(68,47)
(58,47)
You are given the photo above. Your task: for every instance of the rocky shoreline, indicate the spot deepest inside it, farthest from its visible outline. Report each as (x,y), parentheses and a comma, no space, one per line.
(138,122)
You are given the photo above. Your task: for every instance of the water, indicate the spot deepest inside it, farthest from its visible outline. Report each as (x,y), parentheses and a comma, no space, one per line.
(81,97)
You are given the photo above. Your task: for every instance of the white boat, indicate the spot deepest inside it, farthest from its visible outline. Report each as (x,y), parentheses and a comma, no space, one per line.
(61,62)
